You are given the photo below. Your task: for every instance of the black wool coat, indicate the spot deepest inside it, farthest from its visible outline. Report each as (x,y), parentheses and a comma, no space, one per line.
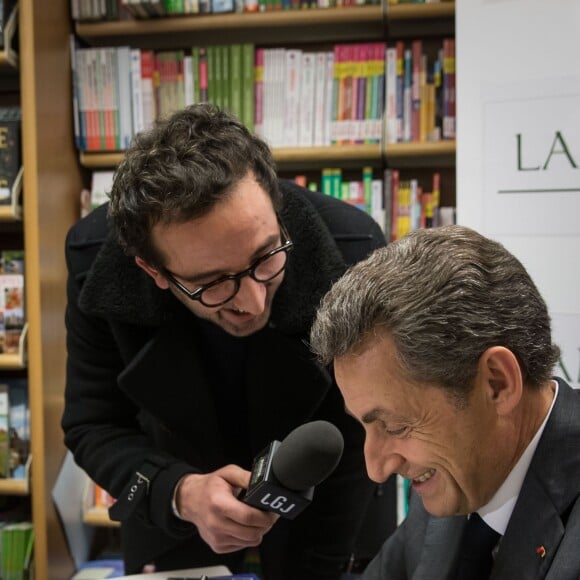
(138,392)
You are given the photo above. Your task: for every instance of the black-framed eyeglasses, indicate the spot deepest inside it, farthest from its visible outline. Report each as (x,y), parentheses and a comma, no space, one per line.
(222,290)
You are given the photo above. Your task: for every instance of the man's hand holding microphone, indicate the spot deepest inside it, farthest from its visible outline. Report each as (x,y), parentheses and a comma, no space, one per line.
(233,508)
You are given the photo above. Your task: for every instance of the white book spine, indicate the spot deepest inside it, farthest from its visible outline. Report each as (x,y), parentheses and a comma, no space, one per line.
(306,107)
(328,97)
(391,95)
(188,81)
(319,98)
(136,91)
(377,203)
(293,98)
(125,107)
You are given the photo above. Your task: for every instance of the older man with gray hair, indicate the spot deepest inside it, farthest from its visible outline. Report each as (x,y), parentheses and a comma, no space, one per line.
(442,350)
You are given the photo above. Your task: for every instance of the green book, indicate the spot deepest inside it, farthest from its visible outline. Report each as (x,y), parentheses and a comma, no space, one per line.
(248,84)
(224,52)
(195,74)
(235,80)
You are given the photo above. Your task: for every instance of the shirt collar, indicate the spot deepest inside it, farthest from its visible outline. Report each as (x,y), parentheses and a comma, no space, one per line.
(498,511)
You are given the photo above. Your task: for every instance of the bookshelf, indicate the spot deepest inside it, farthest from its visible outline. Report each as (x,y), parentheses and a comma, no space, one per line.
(37,74)
(358,23)
(332,25)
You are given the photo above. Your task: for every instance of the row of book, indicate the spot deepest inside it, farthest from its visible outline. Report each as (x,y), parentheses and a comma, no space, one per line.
(289,97)
(14,428)
(420,94)
(144,9)
(397,205)
(10,151)
(16,550)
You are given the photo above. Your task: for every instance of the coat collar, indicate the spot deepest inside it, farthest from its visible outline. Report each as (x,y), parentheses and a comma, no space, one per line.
(117,289)
(539,517)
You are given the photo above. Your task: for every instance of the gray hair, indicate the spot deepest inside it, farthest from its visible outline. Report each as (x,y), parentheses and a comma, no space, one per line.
(444,296)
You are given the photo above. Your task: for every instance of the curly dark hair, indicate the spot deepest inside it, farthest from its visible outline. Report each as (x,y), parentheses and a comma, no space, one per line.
(180,169)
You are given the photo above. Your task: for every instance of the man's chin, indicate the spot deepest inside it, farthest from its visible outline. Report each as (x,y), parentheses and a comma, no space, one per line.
(242,327)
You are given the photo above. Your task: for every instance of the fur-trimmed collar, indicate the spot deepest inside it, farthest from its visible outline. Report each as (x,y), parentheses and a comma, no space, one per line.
(118,290)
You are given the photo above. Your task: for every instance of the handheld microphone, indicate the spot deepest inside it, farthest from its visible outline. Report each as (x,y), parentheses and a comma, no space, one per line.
(284,474)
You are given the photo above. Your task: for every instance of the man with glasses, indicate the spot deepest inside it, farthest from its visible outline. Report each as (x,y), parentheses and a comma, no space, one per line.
(190,300)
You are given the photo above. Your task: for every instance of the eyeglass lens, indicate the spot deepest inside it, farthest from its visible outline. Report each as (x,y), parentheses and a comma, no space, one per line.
(264,271)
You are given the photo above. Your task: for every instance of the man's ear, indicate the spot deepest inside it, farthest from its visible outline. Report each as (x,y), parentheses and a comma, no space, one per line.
(159,278)
(500,371)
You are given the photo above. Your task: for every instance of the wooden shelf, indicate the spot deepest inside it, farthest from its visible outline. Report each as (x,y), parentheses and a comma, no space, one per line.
(421,11)
(356,22)
(99,517)
(17,486)
(14,487)
(316,156)
(423,149)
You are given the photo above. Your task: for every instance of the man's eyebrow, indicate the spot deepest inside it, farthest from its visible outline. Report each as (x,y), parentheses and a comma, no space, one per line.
(373,415)
(369,417)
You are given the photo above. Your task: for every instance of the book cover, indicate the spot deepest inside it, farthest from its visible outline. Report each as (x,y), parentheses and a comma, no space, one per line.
(4,431)
(147,88)
(19,425)
(11,312)
(234,79)
(259,91)
(137,91)
(12,262)
(248,87)
(293,98)
(218,6)
(307,95)
(320,99)
(391,95)
(10,151)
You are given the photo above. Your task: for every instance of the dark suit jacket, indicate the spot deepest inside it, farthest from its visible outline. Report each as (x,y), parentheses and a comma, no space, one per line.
(547,513)
(139,391)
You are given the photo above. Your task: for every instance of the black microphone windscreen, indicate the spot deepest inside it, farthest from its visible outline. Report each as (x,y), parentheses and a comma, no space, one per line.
(308,455)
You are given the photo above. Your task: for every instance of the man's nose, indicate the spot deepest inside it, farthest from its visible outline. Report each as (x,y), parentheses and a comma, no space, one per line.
(381,460)
(251,296)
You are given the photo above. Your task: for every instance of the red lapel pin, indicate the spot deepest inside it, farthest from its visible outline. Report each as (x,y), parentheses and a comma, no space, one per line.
(541,551)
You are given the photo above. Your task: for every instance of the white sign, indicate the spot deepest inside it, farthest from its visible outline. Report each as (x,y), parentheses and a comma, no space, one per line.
(532,159)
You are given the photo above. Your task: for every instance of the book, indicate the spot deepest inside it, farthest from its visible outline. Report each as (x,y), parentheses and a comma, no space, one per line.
(101,185)
(16,545)
(6,8)
(10,152)
(11,312)
(19,426)
(4,431)
(12,262)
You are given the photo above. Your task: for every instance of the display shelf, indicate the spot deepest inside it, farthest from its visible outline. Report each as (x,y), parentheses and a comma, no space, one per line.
(431,11)
(99,517)
(318,156)
(296,26)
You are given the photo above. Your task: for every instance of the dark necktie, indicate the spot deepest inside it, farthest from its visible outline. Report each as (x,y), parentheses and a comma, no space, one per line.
(477,543)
